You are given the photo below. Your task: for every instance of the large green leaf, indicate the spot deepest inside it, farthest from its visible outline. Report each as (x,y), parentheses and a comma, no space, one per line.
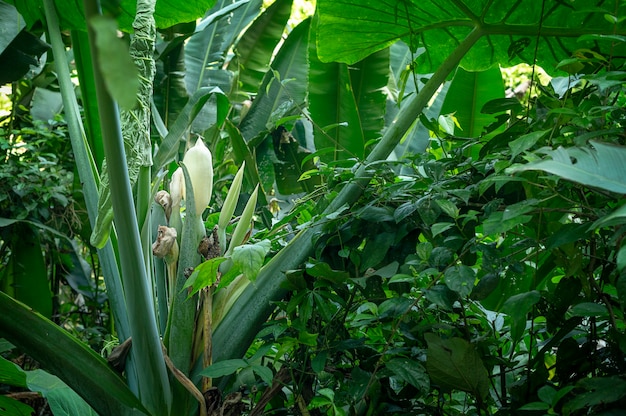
(333,109)
(511,29)
(467,94)
(71,12)
(347,103)
(603,166)
(455,364)
(255,48)
(72,361)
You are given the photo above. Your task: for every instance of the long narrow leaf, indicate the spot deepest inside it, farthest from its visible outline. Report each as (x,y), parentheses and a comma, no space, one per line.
(333,109)
(278,96)
(71,360)
(255,48)
(205,50)
(147,354)
(87,171)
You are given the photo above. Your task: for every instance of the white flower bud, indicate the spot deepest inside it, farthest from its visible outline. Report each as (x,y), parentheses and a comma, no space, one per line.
(199,163)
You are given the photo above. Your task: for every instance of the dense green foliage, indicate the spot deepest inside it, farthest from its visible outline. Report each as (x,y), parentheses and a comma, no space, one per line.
(368,240)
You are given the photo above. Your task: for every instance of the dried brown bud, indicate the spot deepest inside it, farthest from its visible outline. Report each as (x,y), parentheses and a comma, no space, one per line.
(166,246)
(164,199)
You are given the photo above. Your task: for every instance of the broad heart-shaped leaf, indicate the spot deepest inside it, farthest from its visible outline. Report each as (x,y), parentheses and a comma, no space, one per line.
(510,29)
(71,12)
(454,364)
(603,166)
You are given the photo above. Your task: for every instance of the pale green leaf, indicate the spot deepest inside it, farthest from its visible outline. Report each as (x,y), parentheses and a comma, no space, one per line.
(250,257)
(601,166)
(63,401)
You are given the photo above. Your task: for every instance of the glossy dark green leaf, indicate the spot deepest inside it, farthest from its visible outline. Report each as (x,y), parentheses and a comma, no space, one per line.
(11,374)
(440,27)
(517,307)
(411,372)
(224,368)
(12,407)
(460,279)
(74,362)
(324,271)
(599,390)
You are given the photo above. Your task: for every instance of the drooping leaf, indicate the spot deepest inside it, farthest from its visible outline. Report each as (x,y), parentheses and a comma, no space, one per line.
(11,374)
(206,49)
(12,407)
(601,166)
(283,87)
(255,48)
(455,364)
(440,27)
(71,360)
(63,401)
(224,368)
(347,103)
(205,275)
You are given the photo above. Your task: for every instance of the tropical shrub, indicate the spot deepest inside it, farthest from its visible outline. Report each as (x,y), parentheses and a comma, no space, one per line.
(453,279)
